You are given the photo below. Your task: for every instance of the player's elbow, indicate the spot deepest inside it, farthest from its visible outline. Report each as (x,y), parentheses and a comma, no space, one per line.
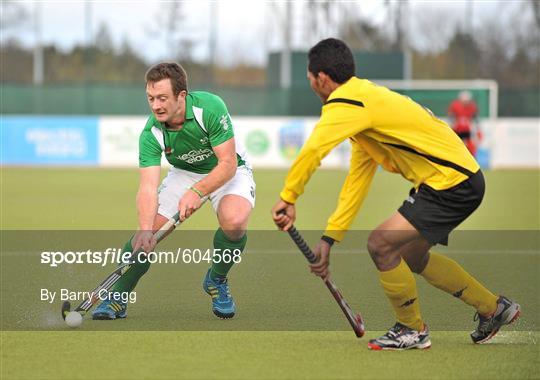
(232,170)
(229,167)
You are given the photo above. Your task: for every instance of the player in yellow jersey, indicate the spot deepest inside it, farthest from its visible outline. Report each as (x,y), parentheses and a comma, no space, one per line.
(389,130)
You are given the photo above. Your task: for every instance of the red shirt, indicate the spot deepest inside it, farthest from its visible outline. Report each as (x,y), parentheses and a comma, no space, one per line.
(463,112)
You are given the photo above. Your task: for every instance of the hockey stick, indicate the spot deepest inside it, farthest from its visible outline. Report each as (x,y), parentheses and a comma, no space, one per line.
(356,321)
(113,278)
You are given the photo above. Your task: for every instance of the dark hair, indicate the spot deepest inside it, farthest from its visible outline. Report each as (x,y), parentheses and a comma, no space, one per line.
(168,70)
(334,58)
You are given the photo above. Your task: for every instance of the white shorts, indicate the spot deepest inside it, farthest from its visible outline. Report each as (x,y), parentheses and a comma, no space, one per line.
(178,182)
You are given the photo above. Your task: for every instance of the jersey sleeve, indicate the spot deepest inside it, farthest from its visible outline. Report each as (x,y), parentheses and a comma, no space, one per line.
(361,172)
(149,150)
(338,122)
(218,123)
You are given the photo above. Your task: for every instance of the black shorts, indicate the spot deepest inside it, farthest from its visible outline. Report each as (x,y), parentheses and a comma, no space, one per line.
(435,213)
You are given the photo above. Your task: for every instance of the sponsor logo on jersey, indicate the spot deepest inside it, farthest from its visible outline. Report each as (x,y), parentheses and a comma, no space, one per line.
(196,155)
(204,140)
(224,121)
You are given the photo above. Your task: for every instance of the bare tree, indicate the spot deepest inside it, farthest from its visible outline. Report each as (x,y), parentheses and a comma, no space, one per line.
(536,10)
(359,32)
(103,40)
(174,34)
(322,19)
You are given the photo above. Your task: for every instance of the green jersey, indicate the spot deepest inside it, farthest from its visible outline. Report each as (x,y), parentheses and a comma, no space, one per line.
(207,124)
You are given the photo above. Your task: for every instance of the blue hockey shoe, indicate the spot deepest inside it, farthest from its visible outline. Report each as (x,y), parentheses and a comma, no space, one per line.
(110,308)
(222,303)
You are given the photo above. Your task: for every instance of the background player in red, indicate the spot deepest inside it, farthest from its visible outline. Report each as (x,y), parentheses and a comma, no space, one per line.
(462,112)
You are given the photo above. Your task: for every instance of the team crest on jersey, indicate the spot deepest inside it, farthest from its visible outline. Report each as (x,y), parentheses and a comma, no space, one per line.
(224,122)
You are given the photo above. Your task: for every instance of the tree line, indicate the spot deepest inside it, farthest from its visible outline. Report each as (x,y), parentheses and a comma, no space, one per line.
(507,52)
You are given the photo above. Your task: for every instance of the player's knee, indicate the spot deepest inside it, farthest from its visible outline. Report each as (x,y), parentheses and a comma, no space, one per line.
(377,245)
(233,222)
(381,251)
(234,226)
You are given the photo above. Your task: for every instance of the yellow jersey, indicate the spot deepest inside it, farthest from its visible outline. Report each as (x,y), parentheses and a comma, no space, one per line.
(386,129)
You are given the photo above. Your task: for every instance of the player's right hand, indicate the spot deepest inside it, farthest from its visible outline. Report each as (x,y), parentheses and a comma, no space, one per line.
(144,240)
(188,204)
(322,253)
(284,215)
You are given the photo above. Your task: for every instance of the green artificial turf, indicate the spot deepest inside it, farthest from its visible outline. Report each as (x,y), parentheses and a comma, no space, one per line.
(287,325)
(259,355)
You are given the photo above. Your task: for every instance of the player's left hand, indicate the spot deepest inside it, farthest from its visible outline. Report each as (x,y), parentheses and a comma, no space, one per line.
(188,204)
(322,253)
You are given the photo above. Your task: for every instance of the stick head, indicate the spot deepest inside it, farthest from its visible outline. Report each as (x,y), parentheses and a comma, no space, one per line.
(66,308)
(359,329)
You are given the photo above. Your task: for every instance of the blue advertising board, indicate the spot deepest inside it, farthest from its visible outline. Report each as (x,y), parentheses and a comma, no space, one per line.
(49,140)
(291,138)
